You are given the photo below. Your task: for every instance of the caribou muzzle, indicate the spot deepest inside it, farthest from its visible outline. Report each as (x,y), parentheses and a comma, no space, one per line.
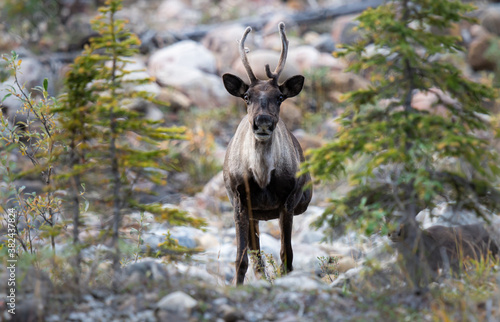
(263,127)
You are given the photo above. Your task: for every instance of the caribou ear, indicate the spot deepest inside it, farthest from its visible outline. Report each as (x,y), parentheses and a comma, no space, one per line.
(234,85)
(292,86)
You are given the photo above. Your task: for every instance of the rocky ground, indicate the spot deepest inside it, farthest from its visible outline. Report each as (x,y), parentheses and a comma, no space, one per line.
(187,72)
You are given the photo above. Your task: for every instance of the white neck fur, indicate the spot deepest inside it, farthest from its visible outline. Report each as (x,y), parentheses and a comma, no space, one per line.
(262,161)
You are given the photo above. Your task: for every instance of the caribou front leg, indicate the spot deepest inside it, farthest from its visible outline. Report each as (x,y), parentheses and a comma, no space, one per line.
(242,234)
(286,254)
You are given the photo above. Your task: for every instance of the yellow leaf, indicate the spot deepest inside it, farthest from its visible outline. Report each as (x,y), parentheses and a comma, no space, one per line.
(354,182)
(369,147)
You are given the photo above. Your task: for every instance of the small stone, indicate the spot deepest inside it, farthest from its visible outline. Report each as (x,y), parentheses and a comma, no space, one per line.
(151,297)
(221,42)
(324,43)
(143,273)
(476,56)
(169,316)
(187,53)
(491,21)
(300,282)
(129,304)
(30,308)
(345,264)
(253,316)
(346,277)
(178,303)
(229,313)
(220,301)
(185,236)
(345,81)
(340,26)
(176,99)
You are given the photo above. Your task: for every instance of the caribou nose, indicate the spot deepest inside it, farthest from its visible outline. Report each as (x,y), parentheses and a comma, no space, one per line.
(263,123)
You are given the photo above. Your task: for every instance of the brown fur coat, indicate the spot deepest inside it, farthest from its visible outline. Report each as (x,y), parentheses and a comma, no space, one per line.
(450,245)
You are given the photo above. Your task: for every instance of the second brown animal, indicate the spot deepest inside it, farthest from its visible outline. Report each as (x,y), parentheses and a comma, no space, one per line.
(450,244)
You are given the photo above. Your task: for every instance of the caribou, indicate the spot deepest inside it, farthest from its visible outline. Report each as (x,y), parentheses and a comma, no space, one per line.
(443,246)
(262,161)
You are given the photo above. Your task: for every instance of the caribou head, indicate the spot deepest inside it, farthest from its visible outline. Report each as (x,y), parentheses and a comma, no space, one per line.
(263,97)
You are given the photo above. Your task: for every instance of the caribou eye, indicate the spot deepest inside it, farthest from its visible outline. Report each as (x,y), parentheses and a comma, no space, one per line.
(281,98)
(247,100)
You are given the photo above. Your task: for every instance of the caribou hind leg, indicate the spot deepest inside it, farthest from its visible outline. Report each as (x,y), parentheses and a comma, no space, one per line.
(286,254)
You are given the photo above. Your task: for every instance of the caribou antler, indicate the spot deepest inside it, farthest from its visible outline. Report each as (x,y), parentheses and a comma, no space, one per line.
(244,59)
(284,50)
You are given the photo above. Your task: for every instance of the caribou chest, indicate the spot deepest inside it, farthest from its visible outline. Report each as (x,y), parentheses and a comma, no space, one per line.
(259,159)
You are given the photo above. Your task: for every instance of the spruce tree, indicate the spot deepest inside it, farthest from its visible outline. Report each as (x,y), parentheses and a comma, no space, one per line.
(97,123)
(399,159)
